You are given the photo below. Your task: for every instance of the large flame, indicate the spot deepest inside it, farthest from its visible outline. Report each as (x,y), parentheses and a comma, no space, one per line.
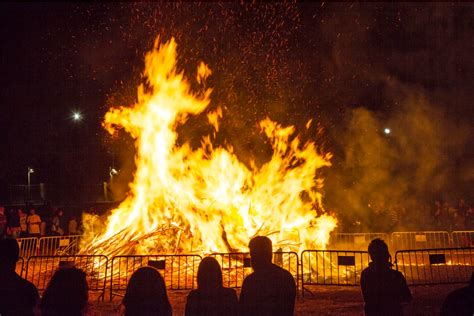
(206,200)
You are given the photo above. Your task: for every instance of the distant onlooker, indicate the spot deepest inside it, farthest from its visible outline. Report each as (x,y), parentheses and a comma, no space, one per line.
(460,302)
(383,289)
(14,223)
(458,221)
(3,222)
(66,293)
(17,296)
(469,220)
(34,222)
(211,298)
(57,224)
(146,294)
(72,226)
(269,290)
(23,223)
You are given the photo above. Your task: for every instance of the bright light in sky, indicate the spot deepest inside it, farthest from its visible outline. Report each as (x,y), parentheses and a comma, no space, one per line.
(387,131)
(76,116)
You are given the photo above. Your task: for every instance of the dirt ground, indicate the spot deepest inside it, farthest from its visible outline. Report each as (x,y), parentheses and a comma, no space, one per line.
(336,300)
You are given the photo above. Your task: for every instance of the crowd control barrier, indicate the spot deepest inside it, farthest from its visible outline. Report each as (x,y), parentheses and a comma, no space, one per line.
(28,246)
(59,245)
(436,266)
(354,241)
(332,267)
(179,271)
(40,269)
(420,240)
(463,238)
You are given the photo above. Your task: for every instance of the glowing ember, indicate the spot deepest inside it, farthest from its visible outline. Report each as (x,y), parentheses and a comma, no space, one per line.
(206,200)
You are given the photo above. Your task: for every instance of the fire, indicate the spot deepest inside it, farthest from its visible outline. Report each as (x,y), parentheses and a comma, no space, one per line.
(205,200)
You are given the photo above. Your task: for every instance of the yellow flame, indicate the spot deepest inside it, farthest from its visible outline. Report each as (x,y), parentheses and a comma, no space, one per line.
(206,199)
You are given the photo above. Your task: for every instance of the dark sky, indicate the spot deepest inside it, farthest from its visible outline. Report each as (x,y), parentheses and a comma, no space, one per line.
(290,62)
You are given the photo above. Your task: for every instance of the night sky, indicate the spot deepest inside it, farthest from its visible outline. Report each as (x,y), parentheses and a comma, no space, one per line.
(291,62)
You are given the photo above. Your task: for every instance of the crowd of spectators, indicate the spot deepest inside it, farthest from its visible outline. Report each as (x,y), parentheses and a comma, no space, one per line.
(385,217)
(268,290)
(16,223)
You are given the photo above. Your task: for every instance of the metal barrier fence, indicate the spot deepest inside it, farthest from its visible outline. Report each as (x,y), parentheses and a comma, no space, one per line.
(236,266)
(19,266)
(332,267)
(59,245)
(28,246)
(436,266)
(40,269)
(179,271)
(420,240)
(463,238)
(354,241)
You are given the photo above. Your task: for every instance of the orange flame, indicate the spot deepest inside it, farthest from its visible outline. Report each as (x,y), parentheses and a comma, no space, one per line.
(211,200)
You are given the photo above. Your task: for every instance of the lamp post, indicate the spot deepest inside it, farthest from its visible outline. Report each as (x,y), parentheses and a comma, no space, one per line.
(30,171)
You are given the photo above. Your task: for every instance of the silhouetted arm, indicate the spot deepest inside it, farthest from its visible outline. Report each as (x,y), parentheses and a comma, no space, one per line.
(291,296)
(190,308)
(405,293)
(364,286)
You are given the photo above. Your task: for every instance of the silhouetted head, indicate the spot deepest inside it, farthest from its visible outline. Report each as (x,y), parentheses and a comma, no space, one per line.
(378,251)
(2,210)
(209,274)
(32,212)
(146,293)
(66,294)
(260,252)
(9,253)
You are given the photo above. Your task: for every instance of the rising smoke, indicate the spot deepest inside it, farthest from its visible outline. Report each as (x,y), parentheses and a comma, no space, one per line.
(354,69)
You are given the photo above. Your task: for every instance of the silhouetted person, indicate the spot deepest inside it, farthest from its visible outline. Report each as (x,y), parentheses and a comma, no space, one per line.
(146,294)
(269,290)
(211,298)
(66,293)
(383,288)
(17,296)
(460,302)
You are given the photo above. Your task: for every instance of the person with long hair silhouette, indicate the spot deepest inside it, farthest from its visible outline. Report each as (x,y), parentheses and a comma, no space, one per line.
(211,298)
(146,294)
(66,294)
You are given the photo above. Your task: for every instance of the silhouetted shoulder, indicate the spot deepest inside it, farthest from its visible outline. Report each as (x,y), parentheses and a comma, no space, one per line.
(17,295)
(459,302)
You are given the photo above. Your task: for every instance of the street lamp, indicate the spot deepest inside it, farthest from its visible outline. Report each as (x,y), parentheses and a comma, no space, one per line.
(30,171)
(387,131)
(76,116)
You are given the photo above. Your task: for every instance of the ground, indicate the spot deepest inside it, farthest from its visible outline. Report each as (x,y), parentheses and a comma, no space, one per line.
(329,300)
